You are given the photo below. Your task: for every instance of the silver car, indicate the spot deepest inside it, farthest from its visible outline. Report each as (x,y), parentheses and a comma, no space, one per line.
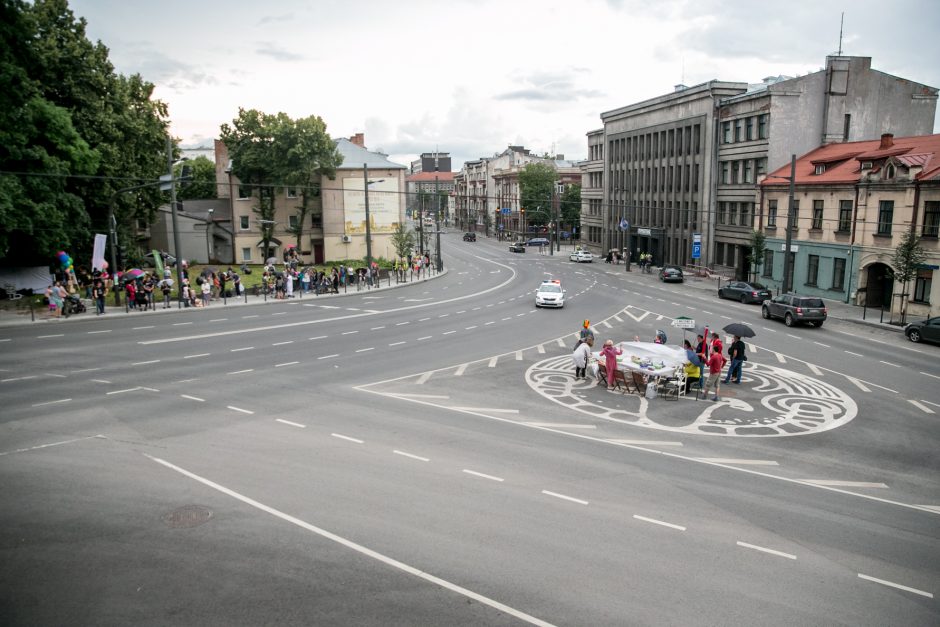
(794,309)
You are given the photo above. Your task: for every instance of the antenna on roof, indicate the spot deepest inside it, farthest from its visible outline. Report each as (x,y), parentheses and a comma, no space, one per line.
(841,22)
(682,73)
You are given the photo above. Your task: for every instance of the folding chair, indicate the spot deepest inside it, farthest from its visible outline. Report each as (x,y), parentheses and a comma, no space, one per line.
(638,382)
(621,381)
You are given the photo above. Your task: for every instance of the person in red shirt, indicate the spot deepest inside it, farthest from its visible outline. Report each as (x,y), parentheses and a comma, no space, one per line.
(715,363)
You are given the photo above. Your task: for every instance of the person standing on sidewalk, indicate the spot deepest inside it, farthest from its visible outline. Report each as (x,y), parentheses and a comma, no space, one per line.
(715,363)
(736,352)
(97,292)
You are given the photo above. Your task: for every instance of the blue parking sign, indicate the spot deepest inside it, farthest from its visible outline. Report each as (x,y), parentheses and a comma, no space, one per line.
(696,250)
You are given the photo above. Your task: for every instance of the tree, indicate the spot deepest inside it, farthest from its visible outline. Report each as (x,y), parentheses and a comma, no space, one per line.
(403,240)
(203,183)
(909,256)
(571,205)
(304,153)
(536,184)
(758,248)
(250,143)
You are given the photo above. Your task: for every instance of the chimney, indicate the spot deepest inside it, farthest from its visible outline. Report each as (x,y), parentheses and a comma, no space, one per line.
(358,139)
(887,140)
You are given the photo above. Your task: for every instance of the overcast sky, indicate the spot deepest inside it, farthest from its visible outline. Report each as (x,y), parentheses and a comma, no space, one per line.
(472,77)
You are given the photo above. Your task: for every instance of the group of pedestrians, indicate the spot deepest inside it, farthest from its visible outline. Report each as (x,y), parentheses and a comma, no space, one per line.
(645,261)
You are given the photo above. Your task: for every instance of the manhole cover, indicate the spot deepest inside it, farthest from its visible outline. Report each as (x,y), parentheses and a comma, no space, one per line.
(187,516)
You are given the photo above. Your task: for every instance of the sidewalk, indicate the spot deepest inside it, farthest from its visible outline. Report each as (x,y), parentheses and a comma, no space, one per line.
(9,318)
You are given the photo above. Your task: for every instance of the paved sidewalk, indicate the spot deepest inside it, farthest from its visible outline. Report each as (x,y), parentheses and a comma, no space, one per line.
(22,318)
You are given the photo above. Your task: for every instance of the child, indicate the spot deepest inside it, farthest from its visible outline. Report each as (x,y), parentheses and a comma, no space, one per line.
(609,353)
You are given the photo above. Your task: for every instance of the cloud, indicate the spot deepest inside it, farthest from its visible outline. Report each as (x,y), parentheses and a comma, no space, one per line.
(554,86)
(143,58)
(277,53)
(274,19)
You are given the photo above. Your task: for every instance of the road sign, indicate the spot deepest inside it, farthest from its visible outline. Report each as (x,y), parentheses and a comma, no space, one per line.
(505,211)
(683,323)
(166,182)
(696,250)
(696,237)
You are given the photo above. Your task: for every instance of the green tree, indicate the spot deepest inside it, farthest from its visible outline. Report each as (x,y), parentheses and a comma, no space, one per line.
(203,183)
(909,256)
(571,205)
(758,247)
(304,154)
(403,240)
(536,184)
(250,142)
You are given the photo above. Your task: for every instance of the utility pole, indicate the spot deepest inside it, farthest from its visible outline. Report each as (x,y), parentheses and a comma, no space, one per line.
(421,224)
(112,221)
(787,264)
(176,230)
(365,183)
(437,198)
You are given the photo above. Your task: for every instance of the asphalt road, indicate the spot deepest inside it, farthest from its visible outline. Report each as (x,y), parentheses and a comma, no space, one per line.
(423,455)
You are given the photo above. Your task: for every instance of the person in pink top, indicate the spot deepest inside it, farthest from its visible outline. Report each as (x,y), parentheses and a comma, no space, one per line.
(609,353)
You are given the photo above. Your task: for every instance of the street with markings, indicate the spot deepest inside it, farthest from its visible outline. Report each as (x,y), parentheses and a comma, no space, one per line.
(424,455)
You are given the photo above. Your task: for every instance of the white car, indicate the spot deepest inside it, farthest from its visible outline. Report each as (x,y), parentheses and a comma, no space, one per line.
(550,294)
(581,256)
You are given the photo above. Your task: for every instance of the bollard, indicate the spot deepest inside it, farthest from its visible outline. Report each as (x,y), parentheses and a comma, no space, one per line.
(32,314)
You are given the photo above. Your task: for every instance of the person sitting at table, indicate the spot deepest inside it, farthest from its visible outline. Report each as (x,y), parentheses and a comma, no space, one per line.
(693,367)
(609,353)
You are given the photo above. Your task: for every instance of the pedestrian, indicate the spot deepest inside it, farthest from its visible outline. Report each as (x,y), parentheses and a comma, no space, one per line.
(131,290)
(609,353)
(289,283)
(715,363)
(738,357)
(717,346)
(693,367)
(165,288)
(148,292)
(54,296)
(223,279)
(580,356)
(586,332)
(97,292)
(305,281)
(206,292)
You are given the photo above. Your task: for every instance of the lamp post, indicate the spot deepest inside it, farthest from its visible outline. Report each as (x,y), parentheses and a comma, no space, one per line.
(366,183)
(208,246)
(437,203)
(787,264)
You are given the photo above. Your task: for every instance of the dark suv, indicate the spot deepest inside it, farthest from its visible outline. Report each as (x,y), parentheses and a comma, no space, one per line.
(794,309)
(469,237)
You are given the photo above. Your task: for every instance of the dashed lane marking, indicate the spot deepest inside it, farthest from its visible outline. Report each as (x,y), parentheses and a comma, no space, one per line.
(149,326)
(122,391)
(288,363)
(193,398)
(891,584)
(846,484)
(102,331)
(329,356)
(241,371)
(411,456)
(239,409)
(482,475)
(347,438)
(659,522)
(921,406)
(928,374)
(180,324)
(565,497)
(888,363)
(62,400)
(740,462)
(859,384)
(42,337)
(29,376)
(293,424)
(396,343)
(246,348)
(764,549)
(197,355)
(282,343)
(363,350)
(144,363)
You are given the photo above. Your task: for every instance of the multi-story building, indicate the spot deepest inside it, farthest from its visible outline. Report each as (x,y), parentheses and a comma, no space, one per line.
(852,204)
(335,228)
(431,161)
(510,223)
(426,186)
(592,194)
(761,128)
(475,188)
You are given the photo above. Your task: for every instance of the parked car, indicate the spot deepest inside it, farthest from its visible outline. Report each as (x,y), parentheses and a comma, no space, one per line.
(517,247)
(550,294)
(924,330)
(581,256)
(469,237)
(794,309)
(671,274)
(538,241)
(745,292)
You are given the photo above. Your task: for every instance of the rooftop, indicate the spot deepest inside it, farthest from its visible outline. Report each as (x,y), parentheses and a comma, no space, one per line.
(354,156)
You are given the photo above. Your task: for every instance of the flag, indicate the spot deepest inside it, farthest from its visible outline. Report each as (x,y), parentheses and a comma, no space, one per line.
(97,255)
(624,225)
(158,262)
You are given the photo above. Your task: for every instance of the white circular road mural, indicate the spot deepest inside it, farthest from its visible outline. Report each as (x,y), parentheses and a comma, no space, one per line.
(770,402)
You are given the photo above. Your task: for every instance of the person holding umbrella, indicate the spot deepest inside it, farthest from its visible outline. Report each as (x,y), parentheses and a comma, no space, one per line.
(737,350)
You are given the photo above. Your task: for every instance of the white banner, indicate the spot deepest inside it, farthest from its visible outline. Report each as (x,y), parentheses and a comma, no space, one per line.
(383,206)
(97,257)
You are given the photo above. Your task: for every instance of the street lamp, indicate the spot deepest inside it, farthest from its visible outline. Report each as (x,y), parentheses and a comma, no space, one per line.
(787,264)
(366,183)
(437,204)
(208,247)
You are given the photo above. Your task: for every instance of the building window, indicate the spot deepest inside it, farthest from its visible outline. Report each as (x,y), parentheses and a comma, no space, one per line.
(719,252)
(246,254)
(722,208)
(243,223)
(838,274)
(768,269)
(931,218)
(292,221)
(726,132)
(817,215)
(795,225)
(922,283)
(730,250)
(761,166)
(748,170)
(772,213)
(812,270)
(697,138)
(749,128)
(739,130)
(695,177)
(725,172)
(762,126)
(845,216)
(244,191)
(746,214)
(732,214)
(735,172)
(290,192)
(846,125)
(820,168)
(885,216)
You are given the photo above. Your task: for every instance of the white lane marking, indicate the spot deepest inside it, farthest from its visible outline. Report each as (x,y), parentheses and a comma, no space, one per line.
(856,354)
(42,337)
(647,442)
(426,319)
(85,370)
(541,349)
(488,409)
(403,395)
(448,332)
(426,337)
(443,315)
(930,403)
(469,328)
(29,376)
(101,381)
(928,374)
(396,343)
(218,320)
(293,424)
(661,317)
(246,348)
(241,371)
(150,326)
(282,343)
(57,376)
(920,406)
(144,363)
(180,324)
(795,337)
(184,381)
(480,474)
(41,446)
(725,317)
(377,328)
(935,508)
(348,332)
(398,324)
(363,350)
(659,522)
(197,355)
(280,313)
(63,400)
(244,411)
(815,369)
(492,363)
(418,457)
(122,391)
(888,363)
(859,384)
(710,313)
(460,370)
(821,344)
(769,329)
(556,425)
(896,585)
(424,378)
(518,355)
(411,570)
(845,484)
(317,337)
(329,356)
(560,342)
(346,437)
(766,550)
(104,331)
(193,398)
(251,316)
(566,498)
(740,462)
(287,363)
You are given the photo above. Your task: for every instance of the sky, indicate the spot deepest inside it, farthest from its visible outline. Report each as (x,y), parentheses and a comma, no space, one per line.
(472,77)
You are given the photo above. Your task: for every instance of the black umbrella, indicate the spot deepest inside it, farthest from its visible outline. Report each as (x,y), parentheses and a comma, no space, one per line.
(740,329)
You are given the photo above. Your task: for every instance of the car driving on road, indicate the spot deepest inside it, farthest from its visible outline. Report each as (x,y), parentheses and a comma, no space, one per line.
(794,309)
(581,256)
(538,241)
(517,247)
(744,292)
(671,274)
(469,237)
(550,294)
(924,330)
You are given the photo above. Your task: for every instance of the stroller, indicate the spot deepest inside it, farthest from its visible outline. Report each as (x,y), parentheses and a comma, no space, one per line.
(72,305)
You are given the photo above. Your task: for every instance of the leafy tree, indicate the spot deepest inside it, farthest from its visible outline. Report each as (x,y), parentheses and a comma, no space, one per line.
(571,205)
(536,184)
(304,153)
(758,247)
(908,257)
(403,240)
(203,184)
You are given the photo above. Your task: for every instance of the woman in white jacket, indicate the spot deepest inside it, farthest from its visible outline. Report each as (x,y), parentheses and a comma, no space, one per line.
(580,357)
